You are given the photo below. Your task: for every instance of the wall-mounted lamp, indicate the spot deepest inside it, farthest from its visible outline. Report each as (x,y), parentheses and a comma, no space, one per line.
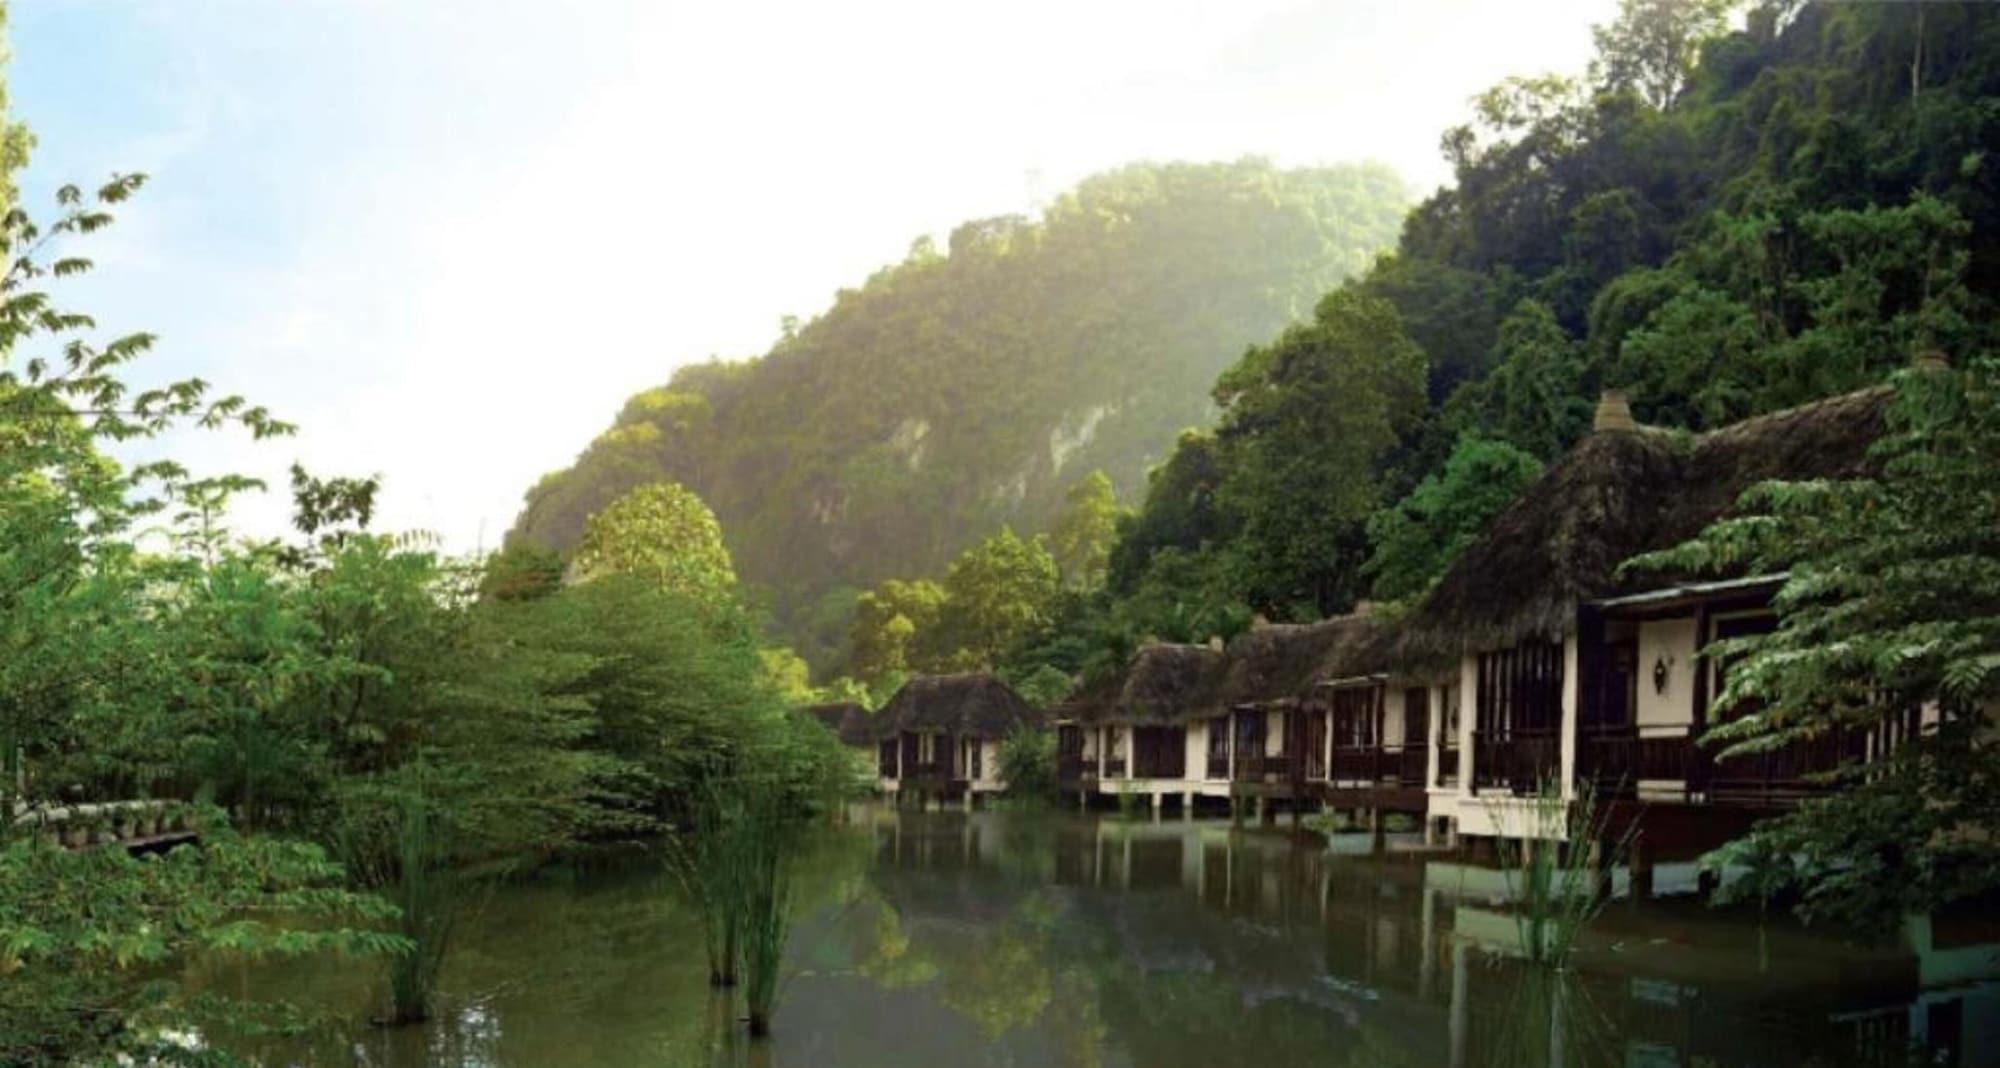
(1660,667)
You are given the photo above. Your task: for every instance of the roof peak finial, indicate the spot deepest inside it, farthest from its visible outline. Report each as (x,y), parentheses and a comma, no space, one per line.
(1614,413)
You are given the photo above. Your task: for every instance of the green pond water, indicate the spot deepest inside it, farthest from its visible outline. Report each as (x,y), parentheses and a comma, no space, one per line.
(1003,938)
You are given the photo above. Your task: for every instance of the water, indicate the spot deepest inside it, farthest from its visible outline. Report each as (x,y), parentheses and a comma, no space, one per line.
(998,938)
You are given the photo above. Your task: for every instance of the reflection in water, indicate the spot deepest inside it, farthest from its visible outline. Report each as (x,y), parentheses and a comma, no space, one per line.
(1002,939)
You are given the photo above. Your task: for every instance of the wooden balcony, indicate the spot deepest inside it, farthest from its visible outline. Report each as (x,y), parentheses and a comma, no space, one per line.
(1669,758)
(1615,760)
(1114,767)
(1387,765)
(1262,769)
(1519,761)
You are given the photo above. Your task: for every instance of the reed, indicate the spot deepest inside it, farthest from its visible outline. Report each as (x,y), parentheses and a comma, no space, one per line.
(1556,869)
(737,859)
(429,894)
(767,836)
(705,858)
(393,841)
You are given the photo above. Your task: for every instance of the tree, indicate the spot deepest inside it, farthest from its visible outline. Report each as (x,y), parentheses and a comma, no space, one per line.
(90,681)
(1085,530)
(997,593)
(664,534)
(1891,600)
(1652,46)
(1415,540)
(891,624)
(1534,398)
(1306,421)
(1028,763)
(1180,510)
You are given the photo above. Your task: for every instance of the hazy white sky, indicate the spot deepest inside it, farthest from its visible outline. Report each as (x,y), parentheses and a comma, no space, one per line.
(449,238)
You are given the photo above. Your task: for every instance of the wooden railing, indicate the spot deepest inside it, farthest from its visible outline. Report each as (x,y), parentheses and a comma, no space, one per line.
(1616,759)
(1783,774)
(1395,765)
(932,770)
(1114,767)
(1218,765)
(1516,760)
(1259,768)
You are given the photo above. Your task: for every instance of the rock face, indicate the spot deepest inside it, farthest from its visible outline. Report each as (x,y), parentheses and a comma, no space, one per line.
(967,387)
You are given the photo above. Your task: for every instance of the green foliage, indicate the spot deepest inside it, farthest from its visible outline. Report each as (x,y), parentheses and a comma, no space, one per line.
(521,572)
(1043,685)
(1028,763)
(664,534)
(894,629)
(998,592)
(1534,398)
(969,385)
(1651,47)
(1772,309)
(1085,530)
(1180,510)
(84,933)
(1416,539)
(94,690)
(1306,422)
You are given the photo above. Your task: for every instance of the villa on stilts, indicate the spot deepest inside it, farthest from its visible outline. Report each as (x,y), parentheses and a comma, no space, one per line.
(1567,673)
(1537,671)
(939,737)
(1537,668)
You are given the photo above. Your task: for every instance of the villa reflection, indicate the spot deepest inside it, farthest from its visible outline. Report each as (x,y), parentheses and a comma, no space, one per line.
(1181,934)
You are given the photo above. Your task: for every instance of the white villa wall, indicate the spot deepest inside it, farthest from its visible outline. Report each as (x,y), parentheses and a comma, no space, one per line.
(1392,715)
(1197,750)
(1497,812)
(1274,733)
(1571,688)
(1671,641)
(989,779)
(1194,775)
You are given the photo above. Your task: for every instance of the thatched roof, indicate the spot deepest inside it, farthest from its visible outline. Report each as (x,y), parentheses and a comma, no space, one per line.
(979,704)
(1615,495)
(1164,683)
(1282,661)
(848,719)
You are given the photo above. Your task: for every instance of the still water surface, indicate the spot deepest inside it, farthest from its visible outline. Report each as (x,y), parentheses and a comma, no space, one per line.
(999,938)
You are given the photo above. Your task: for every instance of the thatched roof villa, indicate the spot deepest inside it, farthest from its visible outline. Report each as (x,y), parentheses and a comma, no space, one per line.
(1534,660)
(942,733)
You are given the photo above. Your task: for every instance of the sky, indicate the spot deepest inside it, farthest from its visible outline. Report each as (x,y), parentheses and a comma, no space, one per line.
(448,238)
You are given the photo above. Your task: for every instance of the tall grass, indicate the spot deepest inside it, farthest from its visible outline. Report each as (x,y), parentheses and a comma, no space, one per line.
(737,859)
(429,893)
(1556,866)
(705,858)
(768,835)
(393,841)
(1551,1022)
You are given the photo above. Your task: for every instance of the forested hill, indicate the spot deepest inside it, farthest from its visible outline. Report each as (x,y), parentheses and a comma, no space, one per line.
(968,385)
